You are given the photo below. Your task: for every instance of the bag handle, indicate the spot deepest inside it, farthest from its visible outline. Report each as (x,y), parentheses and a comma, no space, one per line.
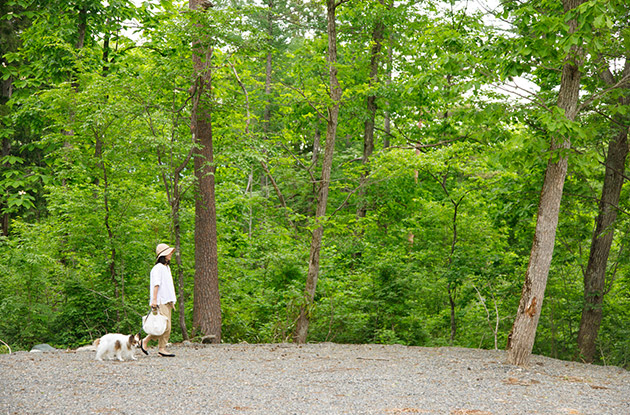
(156,308)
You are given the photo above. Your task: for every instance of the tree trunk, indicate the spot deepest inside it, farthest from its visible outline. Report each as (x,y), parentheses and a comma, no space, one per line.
(301,329)
(268,73)
(7,88)
(521,339)
(207,301)
(266,119)
(173,194)
(388,81)
(181,297)
(317,145)
(100,163)
(595,275)
(451,302)
(368,130)
(452,288)
(81,28)
(106,50)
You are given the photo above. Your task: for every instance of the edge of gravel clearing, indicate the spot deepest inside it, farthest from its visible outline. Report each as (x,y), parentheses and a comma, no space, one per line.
(322,378)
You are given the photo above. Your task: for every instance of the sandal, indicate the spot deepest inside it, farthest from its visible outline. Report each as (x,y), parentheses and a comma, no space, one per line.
(166,354)
(142,348)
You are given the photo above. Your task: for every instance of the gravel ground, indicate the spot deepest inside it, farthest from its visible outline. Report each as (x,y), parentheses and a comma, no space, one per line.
(308,379)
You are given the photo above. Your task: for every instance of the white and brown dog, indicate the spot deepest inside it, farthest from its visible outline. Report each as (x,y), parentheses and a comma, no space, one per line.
(121,346)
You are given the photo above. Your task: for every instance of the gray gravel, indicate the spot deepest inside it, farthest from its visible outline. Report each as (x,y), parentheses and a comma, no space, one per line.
(310,379)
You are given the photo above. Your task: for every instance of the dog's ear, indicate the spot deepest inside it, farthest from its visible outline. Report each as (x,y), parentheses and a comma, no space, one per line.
(132,339)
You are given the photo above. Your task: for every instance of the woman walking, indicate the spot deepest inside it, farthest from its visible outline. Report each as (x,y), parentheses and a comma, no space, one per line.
(162,291)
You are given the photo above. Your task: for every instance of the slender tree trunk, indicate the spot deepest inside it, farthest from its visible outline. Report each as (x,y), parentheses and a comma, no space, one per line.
(368,130)
(100,162)
(177,232)
(106,50)
(388,81)
(268,72)
(521,339)
(453,289)
(207,301)
(595,275)
(266,120)
(451,302)
(173,195)
(7,88)
(301,329)
(317,145)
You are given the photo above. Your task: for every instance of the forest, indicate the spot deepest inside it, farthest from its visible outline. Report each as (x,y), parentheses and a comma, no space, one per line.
(427,173)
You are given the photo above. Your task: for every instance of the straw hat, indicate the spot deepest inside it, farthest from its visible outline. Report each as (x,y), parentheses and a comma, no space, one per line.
(163,250)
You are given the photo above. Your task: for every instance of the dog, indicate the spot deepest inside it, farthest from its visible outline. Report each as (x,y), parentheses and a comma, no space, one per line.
(117,345)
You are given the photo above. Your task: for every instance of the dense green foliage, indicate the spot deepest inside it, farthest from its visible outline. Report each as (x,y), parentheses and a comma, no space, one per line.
(93,129)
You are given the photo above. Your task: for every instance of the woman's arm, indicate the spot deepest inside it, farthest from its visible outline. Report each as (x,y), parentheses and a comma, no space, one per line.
(154,297)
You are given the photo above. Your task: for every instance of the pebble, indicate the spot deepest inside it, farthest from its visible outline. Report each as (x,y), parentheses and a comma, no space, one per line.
(326,378)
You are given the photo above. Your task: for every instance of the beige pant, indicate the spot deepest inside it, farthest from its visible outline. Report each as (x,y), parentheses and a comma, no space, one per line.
(165,309)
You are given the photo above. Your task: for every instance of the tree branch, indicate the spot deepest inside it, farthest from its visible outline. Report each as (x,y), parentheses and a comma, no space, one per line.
(322,115)
(623,82)
(278,193)
(240,83)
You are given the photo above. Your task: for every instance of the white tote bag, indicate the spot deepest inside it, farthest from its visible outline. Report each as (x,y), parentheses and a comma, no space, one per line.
(154,323)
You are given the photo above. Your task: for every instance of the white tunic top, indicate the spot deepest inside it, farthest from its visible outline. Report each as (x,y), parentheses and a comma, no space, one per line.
(161,276)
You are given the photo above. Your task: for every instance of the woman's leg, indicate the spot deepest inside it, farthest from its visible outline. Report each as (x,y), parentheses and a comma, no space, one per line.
(165,309)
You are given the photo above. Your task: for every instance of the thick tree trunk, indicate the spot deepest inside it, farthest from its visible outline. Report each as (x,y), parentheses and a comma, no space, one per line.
(521,339)
(595,275)
(207,301)
(82,29)
(301,329)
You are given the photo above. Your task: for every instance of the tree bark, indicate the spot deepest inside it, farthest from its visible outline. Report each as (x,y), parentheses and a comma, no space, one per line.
(266,119)
(7,88)
(301,330)
(595,275)
(181,298)
(174,198)
(82,28)
(268,73)
(452,288)
(388,81)
(207,301)
(368,130)
(100,162)
(521,339)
